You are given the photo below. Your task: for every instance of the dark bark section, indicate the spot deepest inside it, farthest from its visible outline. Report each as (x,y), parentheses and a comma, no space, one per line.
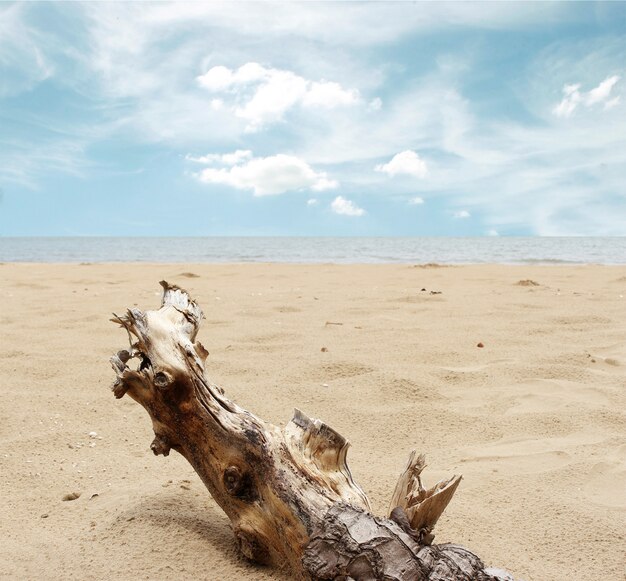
(350,544)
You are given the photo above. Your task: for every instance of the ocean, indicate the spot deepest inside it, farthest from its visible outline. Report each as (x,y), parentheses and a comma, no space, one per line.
(501,250)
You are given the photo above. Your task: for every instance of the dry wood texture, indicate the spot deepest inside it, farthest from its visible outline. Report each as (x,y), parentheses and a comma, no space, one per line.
(288,492)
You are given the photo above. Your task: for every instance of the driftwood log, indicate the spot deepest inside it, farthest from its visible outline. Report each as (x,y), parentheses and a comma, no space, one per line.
(289,493)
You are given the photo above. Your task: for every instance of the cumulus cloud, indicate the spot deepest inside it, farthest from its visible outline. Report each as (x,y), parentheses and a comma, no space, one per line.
(573,97)
(416,201)
(312,202)
(265,176)
(461,214)
(262,95)
(221,78)
(346,207)
(406,162)
(492,232)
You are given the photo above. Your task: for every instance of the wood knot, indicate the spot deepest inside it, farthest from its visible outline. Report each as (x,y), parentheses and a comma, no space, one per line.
(162,380)
(124,355)
(233,480)
(239,484)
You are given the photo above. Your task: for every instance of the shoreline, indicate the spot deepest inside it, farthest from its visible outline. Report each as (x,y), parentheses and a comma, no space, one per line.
(346,250)
(409,264)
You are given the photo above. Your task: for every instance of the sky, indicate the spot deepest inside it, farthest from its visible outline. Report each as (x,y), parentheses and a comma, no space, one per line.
(313,119)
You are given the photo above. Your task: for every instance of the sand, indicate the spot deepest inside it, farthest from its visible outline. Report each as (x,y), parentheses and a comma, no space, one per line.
(534,419)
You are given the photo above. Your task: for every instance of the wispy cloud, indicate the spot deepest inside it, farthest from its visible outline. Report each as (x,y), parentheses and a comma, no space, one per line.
(265,176)
(573,97)
(28,164)
(416,201)
(23,58)
(461,215)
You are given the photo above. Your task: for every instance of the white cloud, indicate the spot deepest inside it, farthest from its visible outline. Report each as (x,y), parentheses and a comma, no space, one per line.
(272,99)
(492,232)
(461,214)
(406,162)
(262,95)
(312,202)
(573,97)
(416,201)
(221,78)
(351,24)
(224,158)
(217,79)
(328,95)
(265,176)
(602,91)
(346,207)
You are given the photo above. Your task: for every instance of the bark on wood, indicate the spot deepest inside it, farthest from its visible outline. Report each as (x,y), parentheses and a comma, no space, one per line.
(351,544)
(288,492)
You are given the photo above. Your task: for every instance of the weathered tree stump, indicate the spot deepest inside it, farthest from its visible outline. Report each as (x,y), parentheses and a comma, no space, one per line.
(288,492)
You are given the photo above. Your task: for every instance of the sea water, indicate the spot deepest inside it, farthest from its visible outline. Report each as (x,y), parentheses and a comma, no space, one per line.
(502,250)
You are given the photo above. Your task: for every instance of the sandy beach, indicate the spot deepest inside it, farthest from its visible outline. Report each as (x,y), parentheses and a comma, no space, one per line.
(535,419)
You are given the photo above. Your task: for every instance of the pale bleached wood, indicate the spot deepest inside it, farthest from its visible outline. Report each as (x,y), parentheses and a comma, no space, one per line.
(423,507)
(288,492)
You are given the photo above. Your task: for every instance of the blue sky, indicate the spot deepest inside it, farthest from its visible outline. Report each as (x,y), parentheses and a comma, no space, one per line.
(407,119)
